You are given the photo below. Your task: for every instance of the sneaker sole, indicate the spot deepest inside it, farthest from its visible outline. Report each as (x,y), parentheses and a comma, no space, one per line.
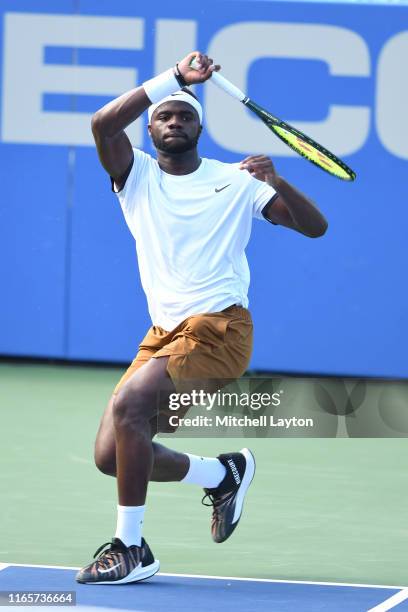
(136,575)
(246,481)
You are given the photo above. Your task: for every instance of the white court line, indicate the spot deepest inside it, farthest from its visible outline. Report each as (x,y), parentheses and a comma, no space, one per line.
(272,580)
(64,567)
(3,566)
(391,602)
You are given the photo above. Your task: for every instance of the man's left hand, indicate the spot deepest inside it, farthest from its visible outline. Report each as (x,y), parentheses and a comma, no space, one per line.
(260,167)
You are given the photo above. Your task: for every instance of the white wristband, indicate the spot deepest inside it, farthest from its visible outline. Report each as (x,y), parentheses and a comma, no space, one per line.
(161,86)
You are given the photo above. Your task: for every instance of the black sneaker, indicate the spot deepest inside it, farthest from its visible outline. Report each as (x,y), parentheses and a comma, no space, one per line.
(119,564)
(228,498)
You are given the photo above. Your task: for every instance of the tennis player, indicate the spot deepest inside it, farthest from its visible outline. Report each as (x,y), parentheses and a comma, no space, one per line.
(191,219)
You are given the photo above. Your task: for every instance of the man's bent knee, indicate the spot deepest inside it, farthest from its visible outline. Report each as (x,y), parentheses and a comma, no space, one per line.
(105,463)
(133,406)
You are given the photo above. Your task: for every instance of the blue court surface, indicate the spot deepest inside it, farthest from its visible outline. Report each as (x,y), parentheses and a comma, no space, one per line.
(184,593)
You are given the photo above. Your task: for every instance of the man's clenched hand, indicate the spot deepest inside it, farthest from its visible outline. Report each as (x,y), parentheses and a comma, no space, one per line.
(204,70)
(260,167)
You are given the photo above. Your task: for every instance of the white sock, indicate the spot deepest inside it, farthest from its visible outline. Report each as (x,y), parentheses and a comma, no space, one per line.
(129,525)
(204,471)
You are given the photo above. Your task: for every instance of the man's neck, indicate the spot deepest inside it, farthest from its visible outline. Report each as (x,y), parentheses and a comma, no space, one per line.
(179,163)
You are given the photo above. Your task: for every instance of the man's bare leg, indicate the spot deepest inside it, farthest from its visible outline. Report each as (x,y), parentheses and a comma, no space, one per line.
(168,465)
(133,416)
(132,413)
(134,409)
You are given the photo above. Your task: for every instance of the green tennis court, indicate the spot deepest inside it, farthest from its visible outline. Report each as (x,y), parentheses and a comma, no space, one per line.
(319,509)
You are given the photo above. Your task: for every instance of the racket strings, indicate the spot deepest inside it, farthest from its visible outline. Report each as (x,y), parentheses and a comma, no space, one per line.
(303,144)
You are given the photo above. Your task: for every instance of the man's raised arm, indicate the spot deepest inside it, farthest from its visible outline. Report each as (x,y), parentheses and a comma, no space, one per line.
(108,124)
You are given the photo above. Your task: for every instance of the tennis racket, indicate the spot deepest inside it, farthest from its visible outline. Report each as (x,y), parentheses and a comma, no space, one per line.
(295,139)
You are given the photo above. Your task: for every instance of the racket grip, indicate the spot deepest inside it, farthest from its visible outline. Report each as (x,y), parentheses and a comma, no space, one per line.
(224,84)
(227,86)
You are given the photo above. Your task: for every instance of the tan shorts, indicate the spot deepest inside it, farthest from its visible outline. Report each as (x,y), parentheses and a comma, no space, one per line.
(217,345)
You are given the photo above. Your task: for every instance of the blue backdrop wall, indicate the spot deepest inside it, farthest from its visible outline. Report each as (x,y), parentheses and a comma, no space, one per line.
(336,305)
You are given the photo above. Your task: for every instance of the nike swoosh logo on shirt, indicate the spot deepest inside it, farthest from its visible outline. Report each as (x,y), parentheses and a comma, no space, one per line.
(218,190)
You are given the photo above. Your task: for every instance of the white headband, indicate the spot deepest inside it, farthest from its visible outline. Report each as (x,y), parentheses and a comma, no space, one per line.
(181,96)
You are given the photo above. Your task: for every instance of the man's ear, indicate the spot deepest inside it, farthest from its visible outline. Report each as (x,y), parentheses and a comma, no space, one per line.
(149,129)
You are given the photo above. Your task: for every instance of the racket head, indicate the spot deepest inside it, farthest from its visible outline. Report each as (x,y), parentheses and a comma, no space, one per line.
(303,144)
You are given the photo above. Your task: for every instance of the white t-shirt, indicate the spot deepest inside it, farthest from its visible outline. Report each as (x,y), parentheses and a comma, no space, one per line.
(191,232)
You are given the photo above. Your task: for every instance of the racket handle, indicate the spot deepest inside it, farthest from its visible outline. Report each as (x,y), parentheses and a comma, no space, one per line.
(224,84)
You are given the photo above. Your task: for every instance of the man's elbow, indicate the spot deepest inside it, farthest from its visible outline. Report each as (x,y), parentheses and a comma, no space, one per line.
(96,123)
(318,231)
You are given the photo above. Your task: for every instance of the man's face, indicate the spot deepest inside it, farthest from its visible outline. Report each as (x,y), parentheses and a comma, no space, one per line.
(175,127)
